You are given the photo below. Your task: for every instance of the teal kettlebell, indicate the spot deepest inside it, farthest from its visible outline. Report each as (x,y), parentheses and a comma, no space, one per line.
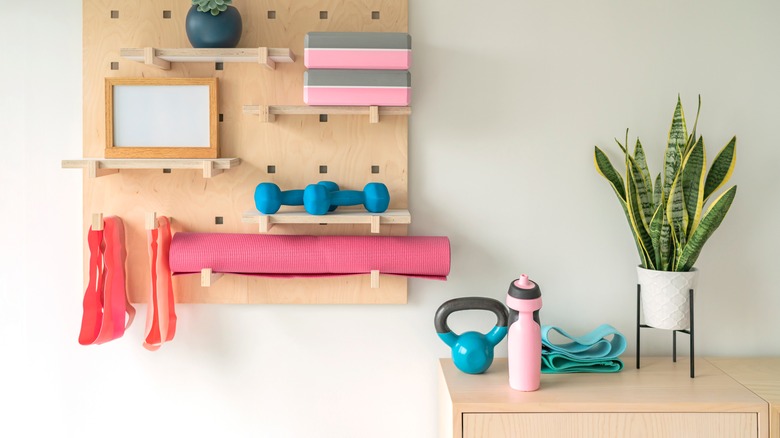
(472,352)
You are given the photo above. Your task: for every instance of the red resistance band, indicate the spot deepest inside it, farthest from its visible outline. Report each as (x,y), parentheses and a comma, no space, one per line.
(105,300)
(160,312)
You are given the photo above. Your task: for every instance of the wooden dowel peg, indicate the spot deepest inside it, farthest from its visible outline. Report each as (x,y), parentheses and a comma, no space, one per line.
(97,221)
(373,114)
(265,223)
(210,169)
(375,279)
(94,170)
(208,277)
(151,221)
(375,224)
(150,58)
(264,59)
(266,116)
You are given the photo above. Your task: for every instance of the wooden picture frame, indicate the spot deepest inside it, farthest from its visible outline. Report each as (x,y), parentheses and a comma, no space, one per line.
(161,118)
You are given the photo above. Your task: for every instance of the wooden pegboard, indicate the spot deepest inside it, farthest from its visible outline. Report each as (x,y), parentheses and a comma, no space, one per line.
(297,145)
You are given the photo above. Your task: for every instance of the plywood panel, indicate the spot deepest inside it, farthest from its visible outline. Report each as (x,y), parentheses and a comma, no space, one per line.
(296,145)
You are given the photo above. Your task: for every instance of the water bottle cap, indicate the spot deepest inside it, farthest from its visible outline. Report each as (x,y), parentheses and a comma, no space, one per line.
(524,283)
(524,289)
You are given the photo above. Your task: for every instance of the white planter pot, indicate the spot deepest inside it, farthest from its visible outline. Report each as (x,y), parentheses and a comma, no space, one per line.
(665,298)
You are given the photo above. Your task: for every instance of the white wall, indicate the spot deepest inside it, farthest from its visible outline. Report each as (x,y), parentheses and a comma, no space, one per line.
(509,99)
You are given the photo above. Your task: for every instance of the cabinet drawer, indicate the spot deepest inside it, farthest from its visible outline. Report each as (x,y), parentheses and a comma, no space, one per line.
(630,424)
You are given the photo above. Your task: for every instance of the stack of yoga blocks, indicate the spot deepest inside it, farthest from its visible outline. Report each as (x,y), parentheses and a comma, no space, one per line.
(357,68)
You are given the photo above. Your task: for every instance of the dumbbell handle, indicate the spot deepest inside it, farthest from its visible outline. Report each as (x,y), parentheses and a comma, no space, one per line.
(346,197)
(374,197)
(292,197)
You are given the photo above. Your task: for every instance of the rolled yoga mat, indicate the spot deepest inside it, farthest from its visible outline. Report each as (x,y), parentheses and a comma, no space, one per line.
(590,353)
(310,256)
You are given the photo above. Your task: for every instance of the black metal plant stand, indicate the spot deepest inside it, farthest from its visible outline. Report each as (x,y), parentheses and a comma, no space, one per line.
(640,326)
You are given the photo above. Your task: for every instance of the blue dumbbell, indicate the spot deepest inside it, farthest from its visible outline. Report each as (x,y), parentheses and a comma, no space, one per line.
(269,198)
(318,200)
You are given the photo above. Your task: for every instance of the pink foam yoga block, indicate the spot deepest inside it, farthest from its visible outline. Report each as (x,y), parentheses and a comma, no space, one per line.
(358,50)
(310,256)
(357,87)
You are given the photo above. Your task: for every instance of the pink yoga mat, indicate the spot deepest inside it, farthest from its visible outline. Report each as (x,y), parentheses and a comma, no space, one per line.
(310,256)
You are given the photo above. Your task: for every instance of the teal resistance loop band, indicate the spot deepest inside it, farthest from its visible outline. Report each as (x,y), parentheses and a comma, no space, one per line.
(590,353)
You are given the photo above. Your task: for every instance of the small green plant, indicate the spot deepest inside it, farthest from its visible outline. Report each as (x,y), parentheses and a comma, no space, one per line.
(213,6)
(668,220)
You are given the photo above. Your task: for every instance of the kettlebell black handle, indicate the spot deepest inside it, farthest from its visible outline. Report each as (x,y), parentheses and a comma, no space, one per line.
(469,303)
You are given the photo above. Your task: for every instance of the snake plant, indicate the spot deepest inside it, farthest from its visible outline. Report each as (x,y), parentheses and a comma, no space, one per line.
(670,218)
(212,6)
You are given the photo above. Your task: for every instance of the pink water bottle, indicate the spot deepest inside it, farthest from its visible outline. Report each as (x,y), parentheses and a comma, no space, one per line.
(525,334)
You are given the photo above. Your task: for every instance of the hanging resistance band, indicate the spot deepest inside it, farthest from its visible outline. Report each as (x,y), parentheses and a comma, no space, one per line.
(107,309)
(160,312)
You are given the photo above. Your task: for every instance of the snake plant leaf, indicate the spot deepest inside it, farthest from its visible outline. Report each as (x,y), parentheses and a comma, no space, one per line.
(641,161)
(622,148)
(721,169)
(709,223)
(678,132)
(678,136)
(672,161)
(604,167)
(640,158)
(655,233)
(692,138)
(643,193)
(692,179)
(640,227)
(657,191)
(639,248)
(678,217)
(665,241)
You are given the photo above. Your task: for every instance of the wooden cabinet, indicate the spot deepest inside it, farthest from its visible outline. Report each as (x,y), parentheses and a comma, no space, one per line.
(660,400)
(760,375)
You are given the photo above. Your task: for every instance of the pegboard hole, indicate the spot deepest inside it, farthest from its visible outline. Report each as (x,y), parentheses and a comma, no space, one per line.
(166,170)
(271,169)
(219,66)
(114,65)
(374,169)
(323,169)
(166,15)
(323,15)
(221,117)
(114,14)
(323,118)
(218,220)
(375,15)
(271,15)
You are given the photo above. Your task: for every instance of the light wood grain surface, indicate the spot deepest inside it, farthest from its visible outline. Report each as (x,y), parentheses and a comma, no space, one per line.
(661,386)
(762,376)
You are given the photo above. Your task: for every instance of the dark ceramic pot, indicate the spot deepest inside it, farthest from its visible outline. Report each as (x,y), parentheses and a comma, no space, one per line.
(209,31)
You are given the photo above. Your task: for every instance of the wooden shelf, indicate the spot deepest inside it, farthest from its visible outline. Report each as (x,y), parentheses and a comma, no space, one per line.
(100,167)
(162,58)
(269,113)
(267,221)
